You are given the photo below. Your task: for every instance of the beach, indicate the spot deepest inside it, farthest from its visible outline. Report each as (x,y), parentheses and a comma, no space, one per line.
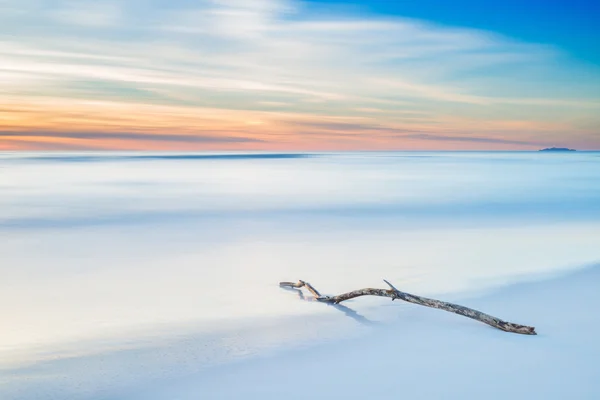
(155,276)
(429,354)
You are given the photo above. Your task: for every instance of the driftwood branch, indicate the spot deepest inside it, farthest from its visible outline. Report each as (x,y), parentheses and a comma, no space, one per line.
(394,294)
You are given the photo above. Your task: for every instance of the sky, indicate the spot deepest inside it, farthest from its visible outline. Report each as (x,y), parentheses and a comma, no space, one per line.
(274,75)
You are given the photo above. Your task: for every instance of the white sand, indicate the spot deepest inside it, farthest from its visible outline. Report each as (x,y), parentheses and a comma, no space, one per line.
(426,354)
(437,355)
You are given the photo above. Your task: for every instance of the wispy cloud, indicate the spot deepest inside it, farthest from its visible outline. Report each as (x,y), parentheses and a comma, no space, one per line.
(468,138)
(143,136)
(275,71)
(85,13)
(340,126)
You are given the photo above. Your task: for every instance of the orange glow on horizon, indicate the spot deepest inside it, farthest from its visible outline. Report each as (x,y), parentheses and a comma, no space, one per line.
(30,124)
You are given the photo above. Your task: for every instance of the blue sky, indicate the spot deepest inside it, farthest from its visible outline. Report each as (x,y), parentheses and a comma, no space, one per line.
(571,25)
(298,75)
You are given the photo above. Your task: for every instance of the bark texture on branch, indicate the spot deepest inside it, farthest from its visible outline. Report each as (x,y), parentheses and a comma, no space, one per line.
(394,294)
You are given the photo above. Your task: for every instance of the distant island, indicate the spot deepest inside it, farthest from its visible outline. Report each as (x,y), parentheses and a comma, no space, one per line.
(557,149)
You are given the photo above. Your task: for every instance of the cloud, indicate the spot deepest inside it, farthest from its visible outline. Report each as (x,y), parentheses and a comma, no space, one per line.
(473,139)
(275,61)
(96,14)
(340,126)
(139,136)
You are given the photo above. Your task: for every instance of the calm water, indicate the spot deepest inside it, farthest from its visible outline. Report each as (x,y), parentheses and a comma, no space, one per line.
(175,259)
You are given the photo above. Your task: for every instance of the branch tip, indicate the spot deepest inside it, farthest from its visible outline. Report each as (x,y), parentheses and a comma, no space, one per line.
(391,286)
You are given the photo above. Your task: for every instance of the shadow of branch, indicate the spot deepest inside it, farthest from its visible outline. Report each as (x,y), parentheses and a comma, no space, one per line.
(346,310)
